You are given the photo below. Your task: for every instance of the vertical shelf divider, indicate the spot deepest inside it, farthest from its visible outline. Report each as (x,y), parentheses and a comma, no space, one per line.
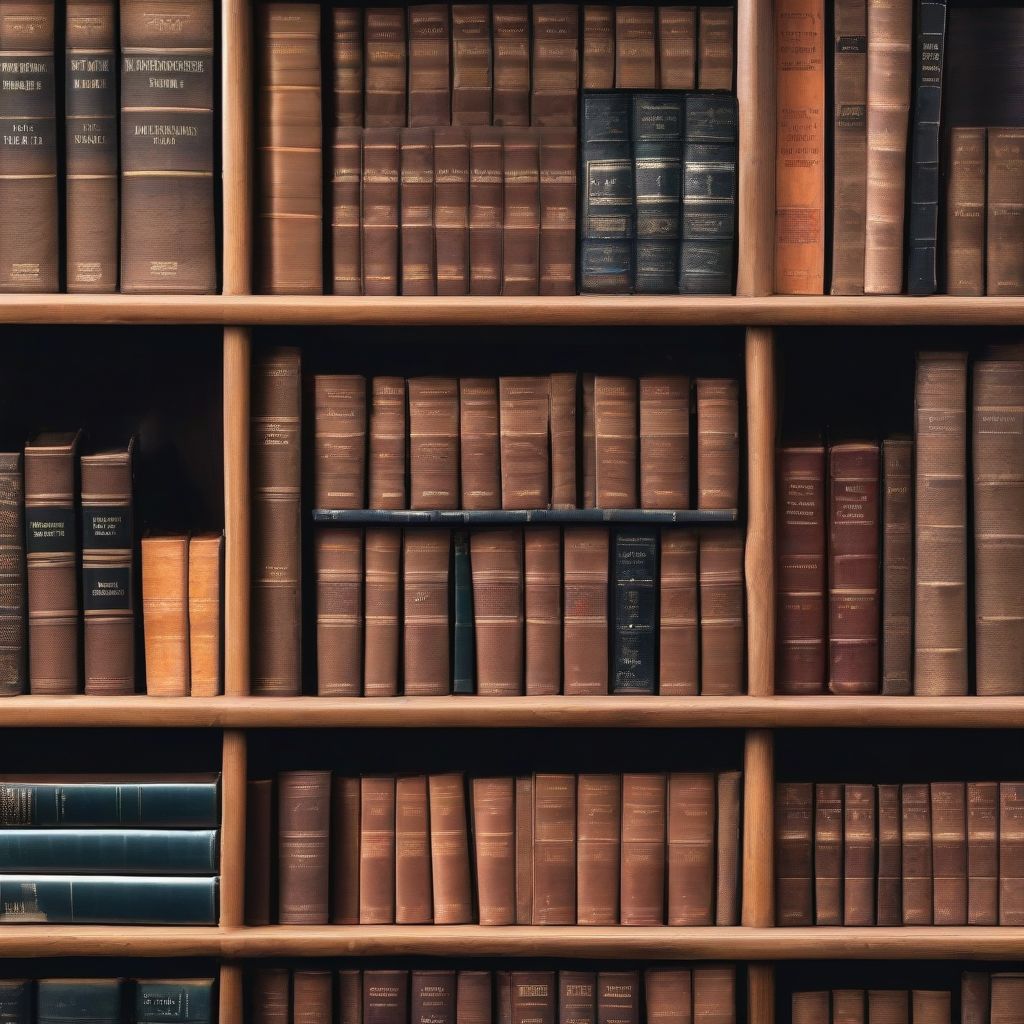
(231,1009)
(232,833)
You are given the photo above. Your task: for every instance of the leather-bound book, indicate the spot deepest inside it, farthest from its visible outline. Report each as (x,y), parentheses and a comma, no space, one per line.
(635,639)
(853,568)
(965,212)
(554,849)
(486,210)
(525,461)
(417,211)
(534,995)
(562,389)
(311,997)
(642,888)
(13,650)
(848,1006)
(715,49)
(677,47)
(345,841)
(434,442)
(800,147)
(714,994)
(859,842)
(668,995)
(588,452)
(577,997)
(497,562)
(718,443)
(350,997)
(983,853)
(270,996)
(678,642)
(90,145)
(691,849)
(502,997)
(108,571)
(585,609)
(636,62)
(379,216)
(478,442)
(949,853)
(290,160)
(376,853)
(897,565)
(802,567)
(205,604)
(915,803)
(889,60)
(1011,854)
(176,252)
(1004,252)
(811,1008)
(975,996)
(888,1007)
(494,839)
(346,192)
(385,60)
(557,273)
(51,546)
(381,612)
(340,441)
(348,67)
(385,996)
(276,481)
(425,592)
(520,242)
(598,855)
(386,469)
(429,66)
(542,558)
(940,524)
(451,210)
(524,850)
(889,904)
(473,997)
(794,854)
(471,64)
(432,997)
(304,830)
(164,615)
(413,898)
(449,850)
(615,441)
(598,57)
(930,1007)
(29,243)
(259,837)
(1005,1000)
(665,442)
(722,643)
(555,81)
(728,830)
(510,30)
(618,997)
(828,853)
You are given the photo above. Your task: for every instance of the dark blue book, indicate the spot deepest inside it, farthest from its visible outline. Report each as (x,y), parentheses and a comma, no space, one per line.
(79,1001)
(463,655)
(177,1001)
(634,583)
(15,1001)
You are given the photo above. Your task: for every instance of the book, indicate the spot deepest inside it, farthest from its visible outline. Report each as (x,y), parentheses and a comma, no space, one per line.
(542,610)
(557,251)
(727,841)
(859,848)
(644,814)
(677,48)
(794,853)
(494,839)
(597,64)
(381,612)
(598,856)
(982,853)
(416,212)
(1011,853)
(554,83)
(678,640)
(691,849)
(385,997)
(312,993)
(715,53)
(425,644)
(668,995)
(13,639)
(339,612)
(917,854)
(664,441)
(386,462)
(554,849)
(486,209)
(510,30)
(889,902)
(497,565)
(636,62)
(304,829)
(95,999)
(271,995)
(520,240)
(433,443)
(346,837)
(533,997)
(585,610)
(718,443)
(524,853)
(449,849)
(347,23)
(473,997)
(965,211)
(346,190)
(429,66)
(930,1007)
(432,997)
(618,997)
(379,215)
(385,67)
(478,443)
(829,826)
(722,643)
(177,1001)
(165,615)
(949,853)
(848,1006)
(464,675)
(259,833)
(897,482)
(205,584)
(562,391)
(451,211)
(413,896)
(1006,990)
(376,852)
(471,64)
(524,436)
(635,640)
(615,441)
(577,997)
(975,993)
(1004,205)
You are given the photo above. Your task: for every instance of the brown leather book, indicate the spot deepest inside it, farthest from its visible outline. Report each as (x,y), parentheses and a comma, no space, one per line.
(714,994)
(940,524)
(802,569)
(345,843)
(677,47)
(555,80)
(983,853)
(510,30)
(413,897)
(722,634)
(90,146)
(434,442)
(471,64)
(276,481)
(348,67)
(554,849)
(888,1007)
(915,803)
(848,1006)
(346,192)
(503,997)
(449,850)
(859,843)
(259,837)
(524,850)
(828,854)
(473,997)
(486,210)
(425,592)
(520,242)
(1004,250)
(13,641)
(432,997)
(668,995)
(478,442)
(451,210)
(385,59)
(340,441)
(1011,854)
(930,1007)
(271,1001)
(691,849)
(615,441)
(949,853)
(853,568)
(497,566)
(598,839)
(385,997)
(975,997)
(585,608)
(525,461)
(1005,1000)
(718,443)
(311,997)
(350,997)
(381,612)
(304,831)
(618,997)
(387,443)
(164,615)
(642,889)
(889,904)
(897,565)
(562,388)
(376,854)
(715,51)
(379,216)
(665,442)
(811,1008)
(800,147)
(598,71)
(794,854)
(965,212)
(417,210)
(636,61)
(534,994)
(728,829)
(542,558)
(494,843)
(678,642)
(577,997)
(557,274)
(429,66)
(205,603)
(588,469)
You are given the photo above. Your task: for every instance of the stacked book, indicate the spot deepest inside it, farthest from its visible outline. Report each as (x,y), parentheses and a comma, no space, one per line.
(102,1001)
(81,849)
(546,849)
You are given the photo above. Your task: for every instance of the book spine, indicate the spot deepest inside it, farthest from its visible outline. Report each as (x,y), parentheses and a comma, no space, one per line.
(434,442)
(636,612)
(615,441)
(562,389)
(636,63)
(588,469)
(382,612)
(577,997)
(965,212)
(714,994)
(520,243)
(897,565)
(471,64)
(497,559)
(523,408)
(387,443)
(413,896)
(722,660)
(554,849)
(668,993)
(554,86)
(486,210)
(451,210)
(585,604)
(270,996)
(429,66)
(92,999)
(618,997)
(542,596)
(718,443)
(385,62)
(642,890)
(165,615)
(598,855)
(1004,263)
(432,997)
(511,35)
(524,856)
(665,442)
(794,854)
(930,1007)
(312,993)
(259,837)
(345,840)
(478,442)
(385,997)
(949,853)
(598,57)
(425,568)
(975,995)
(677,48)
(727,839)
(917,854)
(983,853)
(1011,854)
(811,1008)
(346,188)
(494,836)
(304,828)
(16,1001)
(557,254)
(533,997)
(417,211)
(828,853)
(379,216)
(339,612)
(715,56)
(464,658)
(473,997)
(348,68)
(678,642)
(859,845)
(13,653)
(691,849)
(449,847)
(173,1002)
(377,851)
(205,586)
(889,903)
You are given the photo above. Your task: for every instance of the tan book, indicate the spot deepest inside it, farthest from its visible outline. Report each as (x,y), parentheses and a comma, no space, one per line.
(474,997)
(889,903)
(636,61)
(520,238)
(494,839)
(377,850)
(915,803)
(486,210)
(449,850)
(859,850)
(416,212)
(339,612)
(811,1008)
(380,207)
(165,615)
(949,853)
(668,995)
(524,850)
(642,890)
(965,212)
(557,160)
(615,441)
(677,47)
(888,1007)
(346,212)
(715,48)
(205,584)
(828,855)
(562,412)
(542,571)
(598,854)
(348,67)
(598,47)
(714,994)
(304,829)
(983,853)
(794,854)
(930,1007)
(425,585)
(451,211)
(312,995)
(1005,999)
(691,849)
(381,612)
(585,636)
(413,898)
(848,1006)
(722,632)
(554,849)
(679,643)
(1004,231)
(345,844)
(497,567)
(1011,854)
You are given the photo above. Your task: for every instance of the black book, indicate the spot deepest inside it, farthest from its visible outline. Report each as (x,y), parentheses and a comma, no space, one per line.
(15,1001)
(634,575)
(177,1001)
(463,655)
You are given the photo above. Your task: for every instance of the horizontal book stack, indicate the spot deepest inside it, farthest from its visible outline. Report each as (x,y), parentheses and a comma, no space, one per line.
(81,849)
(537,611)
(679,994)
(543,849)
(944,853)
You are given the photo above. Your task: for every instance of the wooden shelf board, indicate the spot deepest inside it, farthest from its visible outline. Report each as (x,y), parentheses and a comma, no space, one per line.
(512,517)
(108,940)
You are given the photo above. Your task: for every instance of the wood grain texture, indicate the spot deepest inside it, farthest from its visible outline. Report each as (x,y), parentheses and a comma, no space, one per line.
(758,889)
(237,144)
(232,828)
(230,997)
(760,994)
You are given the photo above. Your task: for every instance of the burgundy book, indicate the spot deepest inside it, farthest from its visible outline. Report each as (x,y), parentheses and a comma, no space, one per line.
(691,849)
(346,194)
(915,804)
(598,70)
(585,636)
(416,198)
(511,34)
(385,997)
(471,64)
(381,206)
(486,210)
(533,997)
(525,460)
(554,849)
(496,558)
(451,210)
(520,243)
(557,169)
(949,853)
(598,840)
(413,897)
(542,562)
(554,92)
(577,997)
(828,854)
(429,66)
(618,997)
(345,840)
(794,854)
(434,443)
(350,997)
(642,889)
(386,52)
(449,849)
(889,912)
(304,828)
(478,442)
(432,997)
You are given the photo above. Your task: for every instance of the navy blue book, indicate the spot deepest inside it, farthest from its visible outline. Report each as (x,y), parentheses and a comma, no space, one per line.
(15,1001)
(634,581)
(79,1001)
(177,1001)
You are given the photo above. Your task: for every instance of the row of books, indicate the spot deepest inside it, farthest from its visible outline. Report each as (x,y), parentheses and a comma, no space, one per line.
(547,849)
(108,1000)
(944,853)
(676,995)
(158,185)
(516,442)
(503,612)
(873,584)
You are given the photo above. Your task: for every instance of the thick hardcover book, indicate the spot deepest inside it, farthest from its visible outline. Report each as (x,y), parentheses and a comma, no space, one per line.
(618,997)
(727,839)
(275,479)
(555,80)
(425,568)
(588,451)
(304,829)
(644,814)
(523,407)
(451,211)
(503,997)
(346,190)
(677,48)
(177,1001)
(668,995)
(385,57)
(413,897)
(889,902)
(615,441)
(722,644)
(511,34)
(534,995)
(557,271)
(930,1007)
(915,804)
(464,673)
(429,66)
(678,641)
(473,997)
(520,241)
(385,997)
(665,442)
(379,216)
(339,612)
(471,64)
(636,59)
(1005,999)
(715,52)
(16,1001)
(165,615)
(859,845)
(848,1006)
(494,838)
(897,565)
(811,1008)
(524,850)
(205,601)
(888,1005)
(51,556)
(965,212)
(975,995)
(828,854)
(84,999)
(382,612)
(432,997)
(497,565)
(417,211)
(1011,853)
(340,441)
(598,855)
(269,995)
(635,641)
(949,853)
(312,993)
(449,848)
(486,210)
(348,67)
(718,443)
(794,854)
(598,56)
(714,994)
(691,849)
(577,997)
(1004,251)
(478,442)
(983,853)
(386,469)
(345,840)
(554,849)
(377,851)
(168,238)
(259,840)
(542,574)
(13,650)
(434,443)
(585,637)
(562,391)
